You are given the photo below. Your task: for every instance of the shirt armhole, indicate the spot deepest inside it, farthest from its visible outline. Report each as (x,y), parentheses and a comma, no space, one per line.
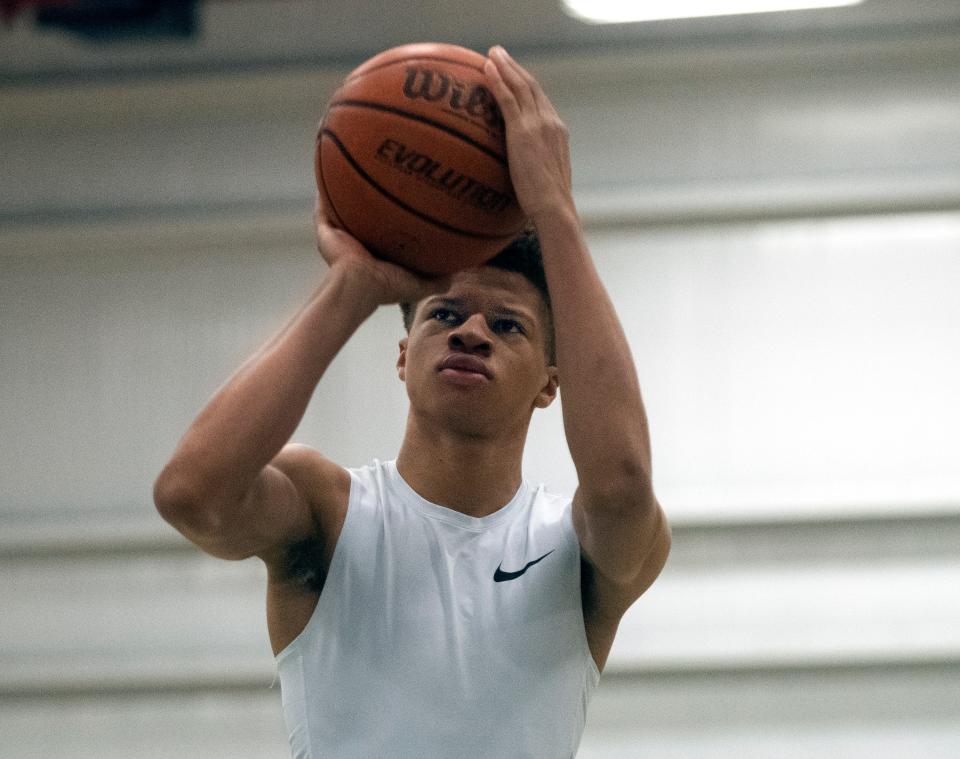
(336,562)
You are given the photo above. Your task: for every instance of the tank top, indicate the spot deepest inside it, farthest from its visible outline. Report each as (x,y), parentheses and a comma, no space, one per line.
(439,635)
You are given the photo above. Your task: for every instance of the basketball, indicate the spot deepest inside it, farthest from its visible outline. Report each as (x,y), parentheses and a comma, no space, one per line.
(411,160)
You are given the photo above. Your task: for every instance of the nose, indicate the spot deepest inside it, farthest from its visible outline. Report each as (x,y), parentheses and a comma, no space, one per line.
(471,336)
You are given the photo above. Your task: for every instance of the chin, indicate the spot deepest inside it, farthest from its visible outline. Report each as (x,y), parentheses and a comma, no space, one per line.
(463,414)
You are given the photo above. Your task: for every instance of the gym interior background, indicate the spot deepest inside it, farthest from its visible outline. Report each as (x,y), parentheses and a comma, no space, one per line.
(774,203)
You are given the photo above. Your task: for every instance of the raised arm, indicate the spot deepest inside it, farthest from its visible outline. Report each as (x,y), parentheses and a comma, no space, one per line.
(622,529)
(231,486)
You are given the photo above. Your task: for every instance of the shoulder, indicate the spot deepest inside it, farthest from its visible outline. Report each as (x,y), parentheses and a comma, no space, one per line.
(549,508)
(324,487)
(331,491)
(323,484)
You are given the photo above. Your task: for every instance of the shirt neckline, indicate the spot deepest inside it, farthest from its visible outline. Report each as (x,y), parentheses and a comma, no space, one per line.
(452,516)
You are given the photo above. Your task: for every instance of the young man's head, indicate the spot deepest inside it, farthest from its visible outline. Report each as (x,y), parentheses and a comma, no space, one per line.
(481,354)
(522,256)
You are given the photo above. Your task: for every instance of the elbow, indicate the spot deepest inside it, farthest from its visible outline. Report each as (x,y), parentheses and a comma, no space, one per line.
(664,541)
(180,501)
(626,471)
(631,503)
(172,497)
(655,555)
(615,473)
(633,471)
(627,487)
(201,516)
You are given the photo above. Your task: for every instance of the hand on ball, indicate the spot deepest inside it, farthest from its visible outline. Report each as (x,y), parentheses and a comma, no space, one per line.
(537,140)
(385,282)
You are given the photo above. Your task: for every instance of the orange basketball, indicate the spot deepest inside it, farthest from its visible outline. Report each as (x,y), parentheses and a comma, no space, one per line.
(412,161)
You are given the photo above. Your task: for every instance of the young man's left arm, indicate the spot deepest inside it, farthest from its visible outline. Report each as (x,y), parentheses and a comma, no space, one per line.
(622,529)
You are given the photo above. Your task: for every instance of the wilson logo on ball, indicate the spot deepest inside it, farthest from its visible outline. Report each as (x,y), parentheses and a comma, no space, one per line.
(434,85)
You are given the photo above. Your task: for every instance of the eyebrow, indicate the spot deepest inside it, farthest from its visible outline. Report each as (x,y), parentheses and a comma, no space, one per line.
(500,310)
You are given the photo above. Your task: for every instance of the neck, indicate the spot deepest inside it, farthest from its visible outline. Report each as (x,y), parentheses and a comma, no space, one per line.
(475,475)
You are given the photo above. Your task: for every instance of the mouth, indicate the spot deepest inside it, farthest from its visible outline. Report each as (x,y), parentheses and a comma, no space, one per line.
(465,368)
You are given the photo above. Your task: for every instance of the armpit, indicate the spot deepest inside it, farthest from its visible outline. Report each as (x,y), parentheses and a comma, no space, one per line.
(305,565)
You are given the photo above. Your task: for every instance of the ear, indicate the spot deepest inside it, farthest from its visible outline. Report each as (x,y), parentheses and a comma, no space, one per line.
(549,391)
(402,360)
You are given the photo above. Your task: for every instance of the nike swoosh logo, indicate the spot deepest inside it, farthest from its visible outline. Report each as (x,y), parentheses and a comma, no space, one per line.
(501,576)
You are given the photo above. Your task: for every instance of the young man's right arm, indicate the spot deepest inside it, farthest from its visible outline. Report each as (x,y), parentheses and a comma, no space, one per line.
(233,486)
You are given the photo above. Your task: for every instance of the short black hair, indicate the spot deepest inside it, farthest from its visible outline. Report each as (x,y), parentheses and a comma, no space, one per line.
(523,256)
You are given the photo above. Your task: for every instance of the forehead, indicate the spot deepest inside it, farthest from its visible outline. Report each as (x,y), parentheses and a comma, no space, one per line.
(487,287)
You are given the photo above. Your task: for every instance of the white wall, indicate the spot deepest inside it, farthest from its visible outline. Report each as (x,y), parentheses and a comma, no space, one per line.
(780,230)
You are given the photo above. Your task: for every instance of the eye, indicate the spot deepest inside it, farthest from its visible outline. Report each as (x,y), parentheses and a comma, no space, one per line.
(445,315)
(511,326)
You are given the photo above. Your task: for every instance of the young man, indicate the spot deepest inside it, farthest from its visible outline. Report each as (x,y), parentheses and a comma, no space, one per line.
(438,606)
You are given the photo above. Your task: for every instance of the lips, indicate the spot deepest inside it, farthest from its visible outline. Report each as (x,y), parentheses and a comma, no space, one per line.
(461,362)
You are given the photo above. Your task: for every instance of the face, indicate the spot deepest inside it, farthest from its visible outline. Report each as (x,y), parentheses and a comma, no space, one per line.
(476,355)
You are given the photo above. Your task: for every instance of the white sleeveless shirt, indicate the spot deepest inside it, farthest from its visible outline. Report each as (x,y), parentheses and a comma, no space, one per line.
(439,635)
